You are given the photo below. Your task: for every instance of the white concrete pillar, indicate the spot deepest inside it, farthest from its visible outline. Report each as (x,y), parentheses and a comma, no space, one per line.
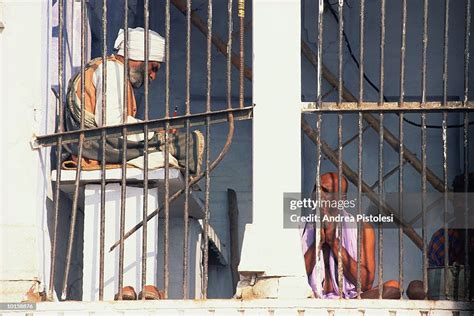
(24,42)
(269,250)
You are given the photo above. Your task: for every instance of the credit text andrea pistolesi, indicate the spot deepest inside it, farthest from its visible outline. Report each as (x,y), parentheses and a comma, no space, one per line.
(315,218)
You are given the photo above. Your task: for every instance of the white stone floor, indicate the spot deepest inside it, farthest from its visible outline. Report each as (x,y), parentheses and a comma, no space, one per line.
(302,307)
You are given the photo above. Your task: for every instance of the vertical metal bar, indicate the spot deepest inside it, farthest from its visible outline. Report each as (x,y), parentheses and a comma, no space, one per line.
(423,146)
(60,129)
(208,161)
(230,23)
(186,173)
(359,147)
(242,53)
(445,204)
(382,51)
(340,268)
(401,147)
(320,57)
(400,202)
(467,266)
(320,28)
(167,140)
(381,132)
(445,52)
(124,154)
(103,144)
(359,206)
(467,37)
(424,51)
(467,34)
(402,53)
(317,231)
(423,200)
(146,16)
(445,146)
(381,203)
(72,226)
(340,50)
(361,52)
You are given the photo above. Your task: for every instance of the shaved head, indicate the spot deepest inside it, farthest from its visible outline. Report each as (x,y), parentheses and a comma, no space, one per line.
(330,183)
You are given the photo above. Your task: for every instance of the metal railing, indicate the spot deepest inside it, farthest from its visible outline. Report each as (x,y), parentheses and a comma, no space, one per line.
(346,103)
(373,113)
(190,119)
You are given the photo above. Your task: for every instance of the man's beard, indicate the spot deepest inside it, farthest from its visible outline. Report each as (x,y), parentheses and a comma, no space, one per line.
(137,76)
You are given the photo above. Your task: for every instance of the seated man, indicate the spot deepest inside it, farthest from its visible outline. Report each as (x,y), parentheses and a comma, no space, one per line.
(329,247)
(92,151)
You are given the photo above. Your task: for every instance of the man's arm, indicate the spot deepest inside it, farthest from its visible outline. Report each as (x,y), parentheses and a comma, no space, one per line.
(349,263)
(310,254)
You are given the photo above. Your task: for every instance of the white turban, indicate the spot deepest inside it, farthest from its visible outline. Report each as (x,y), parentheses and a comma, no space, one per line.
(136,45)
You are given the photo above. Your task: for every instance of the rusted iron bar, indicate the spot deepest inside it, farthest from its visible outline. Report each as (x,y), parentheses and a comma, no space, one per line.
(381,141)
(123,184)
(166,241)
(216,40)
(445,147)
(72,224)
(186,170)
(395,107)
(198,119)
(424,170)
(319,60)
(352,176)
(230,25)
(103,144)
(207,177)
(317,237)
(59,147)
(241,14)
(382,54)
(467,34)
(360,144)
(401,136)
(340,270)
(146,83)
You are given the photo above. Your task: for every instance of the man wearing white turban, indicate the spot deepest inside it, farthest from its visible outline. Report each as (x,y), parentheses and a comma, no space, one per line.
(92,152)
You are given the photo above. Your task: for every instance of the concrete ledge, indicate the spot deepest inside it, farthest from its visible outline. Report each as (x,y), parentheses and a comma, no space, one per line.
(16,290)
(263,307)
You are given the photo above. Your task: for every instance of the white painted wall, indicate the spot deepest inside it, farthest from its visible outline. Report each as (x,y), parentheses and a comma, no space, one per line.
(268,248)
(23,100)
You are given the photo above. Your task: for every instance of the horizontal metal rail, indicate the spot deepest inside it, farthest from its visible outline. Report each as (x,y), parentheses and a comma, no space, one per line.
(310,107)
(216,117)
